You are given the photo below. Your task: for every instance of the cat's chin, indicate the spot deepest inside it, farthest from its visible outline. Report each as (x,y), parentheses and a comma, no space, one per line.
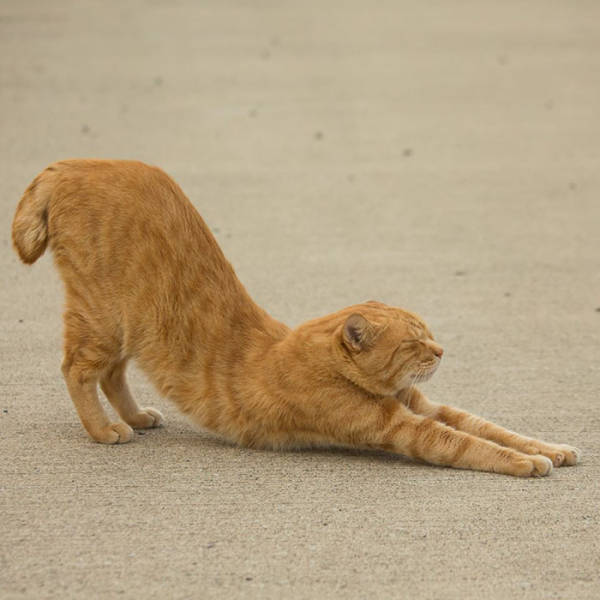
(422,376)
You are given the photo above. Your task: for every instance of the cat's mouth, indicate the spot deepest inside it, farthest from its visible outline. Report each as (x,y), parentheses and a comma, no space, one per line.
(425,372)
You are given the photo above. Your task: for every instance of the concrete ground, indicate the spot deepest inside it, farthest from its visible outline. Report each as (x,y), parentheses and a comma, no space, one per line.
(441,156)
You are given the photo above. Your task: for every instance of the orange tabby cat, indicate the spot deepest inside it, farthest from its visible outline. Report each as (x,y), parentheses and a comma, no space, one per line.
(146,280)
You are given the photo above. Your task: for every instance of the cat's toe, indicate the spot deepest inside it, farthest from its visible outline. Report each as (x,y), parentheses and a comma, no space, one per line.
(559,454)
(571,455)
(532,466)
(562,455)
(155,415)
(115,433)
(542,466)
(557,457)
(146,418)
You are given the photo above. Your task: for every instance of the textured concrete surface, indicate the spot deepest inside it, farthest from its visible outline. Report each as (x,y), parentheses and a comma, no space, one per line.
(442,156)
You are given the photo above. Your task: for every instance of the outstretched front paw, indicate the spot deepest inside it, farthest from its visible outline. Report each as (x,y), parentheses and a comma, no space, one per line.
(566,455)
(532,466)
(560,454)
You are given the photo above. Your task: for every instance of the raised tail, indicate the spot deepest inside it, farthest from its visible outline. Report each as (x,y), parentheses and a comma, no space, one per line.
(30,225)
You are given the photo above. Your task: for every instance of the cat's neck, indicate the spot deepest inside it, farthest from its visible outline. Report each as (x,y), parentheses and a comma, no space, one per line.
(299,363)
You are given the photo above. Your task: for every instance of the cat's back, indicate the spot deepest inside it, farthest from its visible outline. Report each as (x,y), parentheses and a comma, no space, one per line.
(128,242)
(91,193)
(142,271)
(112,216)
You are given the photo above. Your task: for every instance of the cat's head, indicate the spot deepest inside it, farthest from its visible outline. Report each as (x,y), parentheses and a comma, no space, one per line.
(385,349)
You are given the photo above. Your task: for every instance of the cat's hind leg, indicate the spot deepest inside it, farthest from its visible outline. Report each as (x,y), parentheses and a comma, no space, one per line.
(559,454)
(114,386)
(87,356)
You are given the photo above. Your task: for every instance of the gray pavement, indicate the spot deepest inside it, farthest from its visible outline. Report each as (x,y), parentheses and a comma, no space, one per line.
(441,156)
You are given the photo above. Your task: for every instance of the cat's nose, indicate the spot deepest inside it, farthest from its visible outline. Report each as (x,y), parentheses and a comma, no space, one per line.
(437,350)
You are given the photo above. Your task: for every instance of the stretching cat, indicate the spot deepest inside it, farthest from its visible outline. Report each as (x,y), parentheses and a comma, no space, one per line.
(146,280)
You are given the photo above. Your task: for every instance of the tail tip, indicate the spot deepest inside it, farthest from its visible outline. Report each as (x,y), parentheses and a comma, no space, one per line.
(30,237)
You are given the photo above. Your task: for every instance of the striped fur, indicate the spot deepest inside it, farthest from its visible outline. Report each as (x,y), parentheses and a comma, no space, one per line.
(146,280)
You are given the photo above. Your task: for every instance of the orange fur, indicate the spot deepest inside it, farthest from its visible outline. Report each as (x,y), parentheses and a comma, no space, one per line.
(146,280)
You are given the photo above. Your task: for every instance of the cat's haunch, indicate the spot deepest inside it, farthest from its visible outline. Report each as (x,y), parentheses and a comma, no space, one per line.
(146,280)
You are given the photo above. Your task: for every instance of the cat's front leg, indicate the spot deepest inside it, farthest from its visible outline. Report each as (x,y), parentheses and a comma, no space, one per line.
(425,438)
(559,454)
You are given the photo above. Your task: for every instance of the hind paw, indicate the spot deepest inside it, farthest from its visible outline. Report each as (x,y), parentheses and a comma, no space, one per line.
(146,418)
(115,433)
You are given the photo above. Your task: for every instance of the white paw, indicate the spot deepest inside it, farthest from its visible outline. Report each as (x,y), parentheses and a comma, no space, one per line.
(542,466)
(571,454)
(115,433)
(146,418)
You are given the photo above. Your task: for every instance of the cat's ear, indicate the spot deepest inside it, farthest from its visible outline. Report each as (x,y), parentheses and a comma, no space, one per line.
(357,332)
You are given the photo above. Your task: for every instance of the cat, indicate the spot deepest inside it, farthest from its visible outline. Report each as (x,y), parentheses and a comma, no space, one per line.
(146,280)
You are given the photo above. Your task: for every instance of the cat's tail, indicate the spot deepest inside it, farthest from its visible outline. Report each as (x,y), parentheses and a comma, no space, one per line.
(30,225)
